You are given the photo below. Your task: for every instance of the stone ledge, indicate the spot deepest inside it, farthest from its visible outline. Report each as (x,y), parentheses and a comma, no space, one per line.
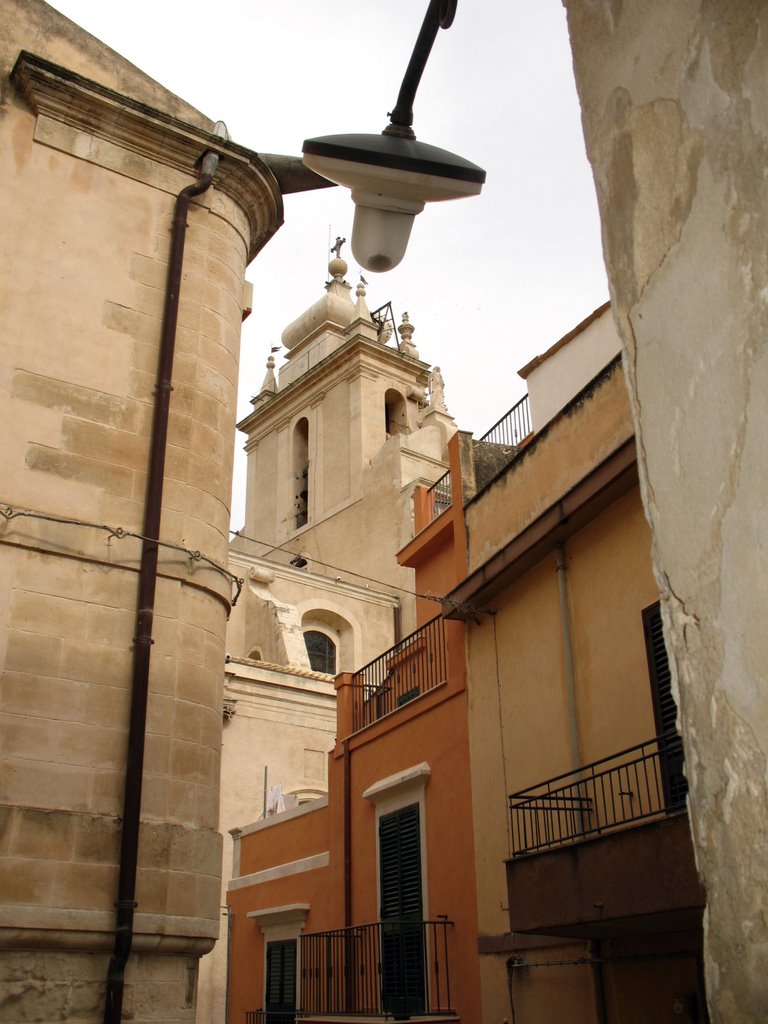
(94,111)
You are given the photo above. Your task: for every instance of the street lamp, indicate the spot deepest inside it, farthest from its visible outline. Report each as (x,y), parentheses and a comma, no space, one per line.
(392,176)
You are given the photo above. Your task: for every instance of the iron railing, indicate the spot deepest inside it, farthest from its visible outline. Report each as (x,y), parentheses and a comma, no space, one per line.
(440,497)
(416,664)
(399,968)
(641,782)
(513,427)
(509,431)
(269,1017)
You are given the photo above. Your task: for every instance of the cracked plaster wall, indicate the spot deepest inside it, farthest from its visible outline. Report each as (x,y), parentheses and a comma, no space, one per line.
(675,113)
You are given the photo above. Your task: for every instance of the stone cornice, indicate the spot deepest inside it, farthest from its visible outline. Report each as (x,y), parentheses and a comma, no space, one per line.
(65,97)
(357,358)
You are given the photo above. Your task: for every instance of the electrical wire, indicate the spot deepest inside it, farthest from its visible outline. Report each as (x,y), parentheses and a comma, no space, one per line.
(461,606)
(8,512)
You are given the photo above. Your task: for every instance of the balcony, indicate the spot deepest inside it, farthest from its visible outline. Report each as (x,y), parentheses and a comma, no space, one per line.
(388,968)
(412,667)
(596,850)
(440,496)
(636,784)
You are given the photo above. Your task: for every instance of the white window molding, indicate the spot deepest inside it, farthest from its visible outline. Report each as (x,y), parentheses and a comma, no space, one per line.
(391,794)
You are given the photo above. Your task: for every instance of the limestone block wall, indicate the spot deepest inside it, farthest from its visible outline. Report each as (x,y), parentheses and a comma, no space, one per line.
(676,123)
(90,179)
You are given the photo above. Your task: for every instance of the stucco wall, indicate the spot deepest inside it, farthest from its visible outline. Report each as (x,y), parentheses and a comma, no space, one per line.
(676,119)
(562,372)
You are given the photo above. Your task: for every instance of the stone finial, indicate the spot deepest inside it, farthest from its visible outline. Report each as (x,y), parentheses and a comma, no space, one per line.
(361,306)
(336,248)
(337,268)
(270,384)
(405,330)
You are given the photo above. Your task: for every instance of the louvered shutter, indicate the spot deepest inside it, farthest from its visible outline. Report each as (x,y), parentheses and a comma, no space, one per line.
(400,863)
(280,994)
(665,709)
(402,938)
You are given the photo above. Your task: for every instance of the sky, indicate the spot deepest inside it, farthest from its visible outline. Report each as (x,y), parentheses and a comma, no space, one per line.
(488,282)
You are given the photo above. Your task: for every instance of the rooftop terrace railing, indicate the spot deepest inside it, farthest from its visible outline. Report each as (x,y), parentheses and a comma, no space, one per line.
(639,783)
(392,967)
(414,665)
(510,431)
(440,495)
(513,427)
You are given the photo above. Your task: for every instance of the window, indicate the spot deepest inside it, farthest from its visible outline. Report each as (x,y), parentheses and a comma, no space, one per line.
(322,652)
(301,472)
(402,935)
(395,413)
(280,985)
(664,709)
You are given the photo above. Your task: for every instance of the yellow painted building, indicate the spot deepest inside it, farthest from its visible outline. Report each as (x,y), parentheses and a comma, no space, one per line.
(588,901)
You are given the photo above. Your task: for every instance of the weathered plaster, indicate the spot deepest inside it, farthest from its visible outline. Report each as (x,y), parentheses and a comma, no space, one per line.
(675,118)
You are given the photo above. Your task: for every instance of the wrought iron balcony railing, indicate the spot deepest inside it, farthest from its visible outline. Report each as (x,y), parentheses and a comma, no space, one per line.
(642,782)
(270,1017)
(397,968)
(510,431)
(413,666)
(513,427)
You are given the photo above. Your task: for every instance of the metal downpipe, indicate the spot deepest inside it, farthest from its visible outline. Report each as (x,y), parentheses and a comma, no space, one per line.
(129,843)
(570,682)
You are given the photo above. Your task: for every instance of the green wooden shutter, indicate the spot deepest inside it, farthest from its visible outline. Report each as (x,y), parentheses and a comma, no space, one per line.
(664,709)
(280,993)
(400,863)
(402,937)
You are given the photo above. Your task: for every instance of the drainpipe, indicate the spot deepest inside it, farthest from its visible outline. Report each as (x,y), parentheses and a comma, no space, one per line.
(397,622)
(595,954)
(134,769)
(347,835)
(565,629)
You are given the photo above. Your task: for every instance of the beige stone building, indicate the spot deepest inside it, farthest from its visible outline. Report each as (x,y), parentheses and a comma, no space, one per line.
(115,591)
(337,443)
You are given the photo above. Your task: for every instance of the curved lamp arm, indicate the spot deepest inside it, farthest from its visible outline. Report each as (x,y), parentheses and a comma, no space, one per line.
(440,14)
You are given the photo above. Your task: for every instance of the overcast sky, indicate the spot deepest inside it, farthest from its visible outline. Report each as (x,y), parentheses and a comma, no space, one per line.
(488,282)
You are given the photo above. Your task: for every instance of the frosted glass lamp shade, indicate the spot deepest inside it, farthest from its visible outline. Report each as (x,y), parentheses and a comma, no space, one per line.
(391,178)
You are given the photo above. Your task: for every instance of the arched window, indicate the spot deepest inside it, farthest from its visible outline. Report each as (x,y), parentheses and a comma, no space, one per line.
(301,472)
(321,650)
(396,413)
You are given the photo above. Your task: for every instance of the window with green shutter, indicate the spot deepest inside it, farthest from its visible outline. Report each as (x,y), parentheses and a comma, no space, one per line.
(402,935)
(280,990)
(664,709)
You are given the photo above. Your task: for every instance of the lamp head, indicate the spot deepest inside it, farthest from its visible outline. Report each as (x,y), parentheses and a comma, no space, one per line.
(392,176)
